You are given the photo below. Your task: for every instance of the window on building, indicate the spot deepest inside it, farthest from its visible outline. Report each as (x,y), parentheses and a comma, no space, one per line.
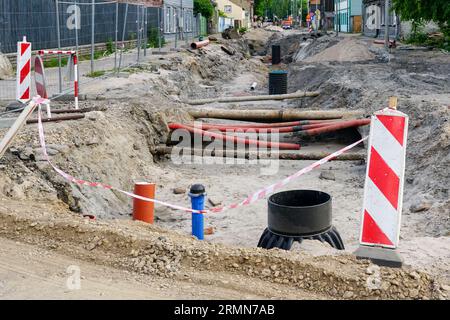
(167,16)
(187,20)
(173,20)
(228,9)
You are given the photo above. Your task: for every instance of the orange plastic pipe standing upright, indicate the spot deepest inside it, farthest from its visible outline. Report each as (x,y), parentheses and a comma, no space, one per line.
(144,210)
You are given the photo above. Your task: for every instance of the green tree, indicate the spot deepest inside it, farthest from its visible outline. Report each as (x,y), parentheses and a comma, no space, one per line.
(421,11)
(204,7)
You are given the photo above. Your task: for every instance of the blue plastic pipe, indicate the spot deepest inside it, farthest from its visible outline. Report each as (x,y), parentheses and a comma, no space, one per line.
(197,194)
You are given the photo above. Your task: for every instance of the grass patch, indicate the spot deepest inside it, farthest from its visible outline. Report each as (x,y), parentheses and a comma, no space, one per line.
(439,40)
(96,74)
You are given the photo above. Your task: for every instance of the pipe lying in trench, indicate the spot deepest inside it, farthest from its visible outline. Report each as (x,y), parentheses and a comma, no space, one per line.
(295,95)
(307,127)
(199,44)
(267,125)
(163,150)
(335,127)
(61,118)
(273,115)
(222,137)
(263,130)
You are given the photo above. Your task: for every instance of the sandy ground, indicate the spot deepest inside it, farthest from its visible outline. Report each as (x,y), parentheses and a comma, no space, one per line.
(116,145)
(30,272)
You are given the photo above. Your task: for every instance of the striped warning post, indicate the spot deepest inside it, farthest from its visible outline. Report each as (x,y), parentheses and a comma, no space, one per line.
(74,59)
(383,190)
(40,82)
(23,77)
(39,77)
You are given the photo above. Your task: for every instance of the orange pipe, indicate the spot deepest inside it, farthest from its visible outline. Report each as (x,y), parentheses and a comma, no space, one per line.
(224,137)
(335,127)
(144,210)
(199,44)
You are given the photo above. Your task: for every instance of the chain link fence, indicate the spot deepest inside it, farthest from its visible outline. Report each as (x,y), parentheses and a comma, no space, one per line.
(107,36)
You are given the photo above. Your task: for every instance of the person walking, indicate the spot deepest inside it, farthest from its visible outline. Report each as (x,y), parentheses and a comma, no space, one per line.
(308,20)
(313,21)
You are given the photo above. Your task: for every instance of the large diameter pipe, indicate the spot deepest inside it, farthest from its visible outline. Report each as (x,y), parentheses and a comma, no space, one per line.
(295,95)
(162,150)
(222,137)
(335,127)
(264,130)
(199,44)
(272,115)
(268,125)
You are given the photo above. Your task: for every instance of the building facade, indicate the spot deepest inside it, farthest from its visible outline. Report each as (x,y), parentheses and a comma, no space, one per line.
(348,15)
(178,18)
(374,24)
(247,8)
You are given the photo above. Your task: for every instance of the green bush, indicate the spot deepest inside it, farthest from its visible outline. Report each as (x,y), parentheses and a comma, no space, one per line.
(110,48)
(204,7)
(242,30)
(152,41)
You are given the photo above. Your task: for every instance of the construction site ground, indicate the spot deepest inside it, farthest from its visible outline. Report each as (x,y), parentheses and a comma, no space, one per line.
(43,232)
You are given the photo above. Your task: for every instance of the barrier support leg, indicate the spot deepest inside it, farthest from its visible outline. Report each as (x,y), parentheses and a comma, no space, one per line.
(380,256)
(197,195)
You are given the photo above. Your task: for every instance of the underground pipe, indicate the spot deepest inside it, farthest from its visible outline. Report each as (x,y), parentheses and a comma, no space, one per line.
(199,44)
(335,127)
(272,115)
(165,150)
(267,125)
(222,137)
(295,95)
(262,130)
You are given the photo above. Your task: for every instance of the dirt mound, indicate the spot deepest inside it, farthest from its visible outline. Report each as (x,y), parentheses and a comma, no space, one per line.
(147,249)
(348,49)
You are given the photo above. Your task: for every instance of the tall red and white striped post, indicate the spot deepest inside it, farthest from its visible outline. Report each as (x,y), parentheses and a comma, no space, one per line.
(75,72)
(40,82)
(383,190)
(23,77)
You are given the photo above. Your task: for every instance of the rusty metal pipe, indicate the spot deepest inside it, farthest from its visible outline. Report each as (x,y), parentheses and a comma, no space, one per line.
(62,118)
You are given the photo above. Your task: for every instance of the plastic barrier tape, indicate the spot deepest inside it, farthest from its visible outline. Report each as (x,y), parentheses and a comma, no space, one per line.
(260,194)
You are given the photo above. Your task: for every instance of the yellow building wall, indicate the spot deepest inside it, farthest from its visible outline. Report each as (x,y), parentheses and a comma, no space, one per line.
(236,12)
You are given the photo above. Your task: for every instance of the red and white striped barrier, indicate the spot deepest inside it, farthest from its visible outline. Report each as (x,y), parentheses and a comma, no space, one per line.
(23,77)
(39,80)
(73,56)
(383,190)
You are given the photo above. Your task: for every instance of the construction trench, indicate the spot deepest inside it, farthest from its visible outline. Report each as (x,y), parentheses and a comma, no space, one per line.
(126,137)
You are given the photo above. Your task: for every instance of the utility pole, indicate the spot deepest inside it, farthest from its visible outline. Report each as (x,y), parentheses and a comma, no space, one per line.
(336,16)
(386,24)
(92,34)
(301,12)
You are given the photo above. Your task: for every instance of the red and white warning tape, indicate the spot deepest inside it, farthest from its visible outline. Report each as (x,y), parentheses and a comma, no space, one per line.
(260,194)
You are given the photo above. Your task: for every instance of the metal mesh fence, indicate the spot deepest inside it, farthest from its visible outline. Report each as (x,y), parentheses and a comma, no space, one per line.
(106,35)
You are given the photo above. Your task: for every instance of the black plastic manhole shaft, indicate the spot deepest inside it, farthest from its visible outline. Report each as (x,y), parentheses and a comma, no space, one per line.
(296,215)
